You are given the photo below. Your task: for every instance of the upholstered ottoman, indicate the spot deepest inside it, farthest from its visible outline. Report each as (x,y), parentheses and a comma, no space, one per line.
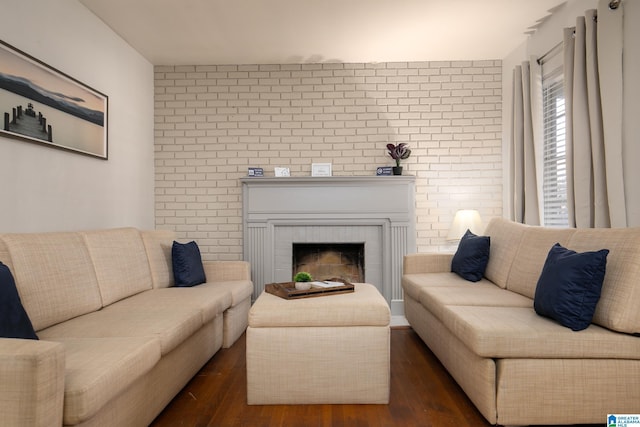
(328,349)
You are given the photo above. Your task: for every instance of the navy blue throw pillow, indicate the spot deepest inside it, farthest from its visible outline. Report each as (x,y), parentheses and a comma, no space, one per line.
(187,264)
(14,321)
(569,286)
(471,259)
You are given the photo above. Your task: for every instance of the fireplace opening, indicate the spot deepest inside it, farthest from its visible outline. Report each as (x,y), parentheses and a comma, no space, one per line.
(328,260)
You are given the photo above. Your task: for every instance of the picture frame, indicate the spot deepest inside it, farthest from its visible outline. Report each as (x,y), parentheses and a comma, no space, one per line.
(321,169)
(43,105)
(281,172)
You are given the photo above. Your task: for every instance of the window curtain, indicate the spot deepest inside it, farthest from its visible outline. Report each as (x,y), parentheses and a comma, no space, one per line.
(593,95)
(526,127)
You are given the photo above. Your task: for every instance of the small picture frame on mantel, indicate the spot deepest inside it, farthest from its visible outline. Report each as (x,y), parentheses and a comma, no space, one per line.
(321,169)
(281,172)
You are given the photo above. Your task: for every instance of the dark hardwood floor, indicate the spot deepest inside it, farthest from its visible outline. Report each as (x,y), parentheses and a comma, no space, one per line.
(422,394)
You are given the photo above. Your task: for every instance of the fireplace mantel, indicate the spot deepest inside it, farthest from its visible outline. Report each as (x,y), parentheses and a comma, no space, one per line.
(378,211)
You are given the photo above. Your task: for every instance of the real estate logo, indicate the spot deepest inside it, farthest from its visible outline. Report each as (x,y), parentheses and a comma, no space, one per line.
(627,420)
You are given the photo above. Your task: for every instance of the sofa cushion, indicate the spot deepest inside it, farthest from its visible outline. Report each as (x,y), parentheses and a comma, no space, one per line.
(223,271)
(54,275)
(412,284)
(569,286)
(483,293)
(120,261)
(505,240)
(239,290)
(531,255)
(14,321)
(170,327)
(158,244)
(209,299)
(187,264)
(620,297)
(434,262)
(470,260)
(503,332)
(99,369)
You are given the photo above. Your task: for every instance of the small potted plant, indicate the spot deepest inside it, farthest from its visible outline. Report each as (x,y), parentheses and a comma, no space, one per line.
(397,153)
(303,280)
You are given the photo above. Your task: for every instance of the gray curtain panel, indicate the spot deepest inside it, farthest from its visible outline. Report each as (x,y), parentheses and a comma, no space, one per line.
(594,97)
(600,171)
(526,144)
(610,44)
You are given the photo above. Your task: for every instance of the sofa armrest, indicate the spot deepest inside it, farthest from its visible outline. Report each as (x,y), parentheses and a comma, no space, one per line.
(31,382)
(222,271)
(427,263)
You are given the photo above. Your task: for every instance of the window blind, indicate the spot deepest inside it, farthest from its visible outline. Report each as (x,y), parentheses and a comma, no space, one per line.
(555,213)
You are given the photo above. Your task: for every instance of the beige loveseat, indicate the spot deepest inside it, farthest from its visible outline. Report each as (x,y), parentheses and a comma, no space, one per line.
(520,368)
(117,341)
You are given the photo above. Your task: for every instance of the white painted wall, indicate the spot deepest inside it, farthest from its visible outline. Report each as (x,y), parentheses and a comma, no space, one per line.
(45,189)
(546,37)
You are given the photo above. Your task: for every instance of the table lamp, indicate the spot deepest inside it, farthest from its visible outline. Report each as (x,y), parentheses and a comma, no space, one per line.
(466,219)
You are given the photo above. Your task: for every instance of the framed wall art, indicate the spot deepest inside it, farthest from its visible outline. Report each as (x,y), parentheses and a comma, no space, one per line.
(43,105)
(321,169)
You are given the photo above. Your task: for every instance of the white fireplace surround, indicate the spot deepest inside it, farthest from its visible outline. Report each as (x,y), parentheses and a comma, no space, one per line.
(376,211)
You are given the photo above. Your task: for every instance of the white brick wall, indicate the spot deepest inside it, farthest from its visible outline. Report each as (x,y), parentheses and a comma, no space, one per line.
(213,122)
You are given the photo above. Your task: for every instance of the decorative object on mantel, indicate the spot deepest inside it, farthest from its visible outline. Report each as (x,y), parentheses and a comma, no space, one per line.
(384,170)
(279,172)
(255,172)
(397,153)
(321,169)
(302,281)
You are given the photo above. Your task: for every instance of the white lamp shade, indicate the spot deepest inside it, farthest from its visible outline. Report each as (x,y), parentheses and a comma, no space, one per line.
(466,219)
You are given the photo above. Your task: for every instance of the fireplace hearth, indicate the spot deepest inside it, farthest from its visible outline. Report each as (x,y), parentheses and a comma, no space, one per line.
(377,213)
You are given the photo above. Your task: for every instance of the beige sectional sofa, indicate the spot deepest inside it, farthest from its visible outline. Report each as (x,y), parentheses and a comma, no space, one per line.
(518,367)
(117,340)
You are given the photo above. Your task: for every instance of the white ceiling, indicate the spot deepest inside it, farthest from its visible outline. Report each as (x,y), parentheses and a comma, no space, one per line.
(175,32)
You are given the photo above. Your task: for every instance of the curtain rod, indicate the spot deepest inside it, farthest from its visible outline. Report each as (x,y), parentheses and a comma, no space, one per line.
(613,5)
(549,52)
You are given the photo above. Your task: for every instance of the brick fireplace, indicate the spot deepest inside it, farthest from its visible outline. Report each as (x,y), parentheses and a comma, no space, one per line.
(376,213)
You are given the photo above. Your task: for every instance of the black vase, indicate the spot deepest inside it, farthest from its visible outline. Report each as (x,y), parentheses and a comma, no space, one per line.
(397,170)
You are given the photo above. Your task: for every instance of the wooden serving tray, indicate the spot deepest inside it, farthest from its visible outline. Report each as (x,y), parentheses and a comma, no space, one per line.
(287,290)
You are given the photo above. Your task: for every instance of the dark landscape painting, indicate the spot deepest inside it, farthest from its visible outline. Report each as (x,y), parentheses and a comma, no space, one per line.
(41,104)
